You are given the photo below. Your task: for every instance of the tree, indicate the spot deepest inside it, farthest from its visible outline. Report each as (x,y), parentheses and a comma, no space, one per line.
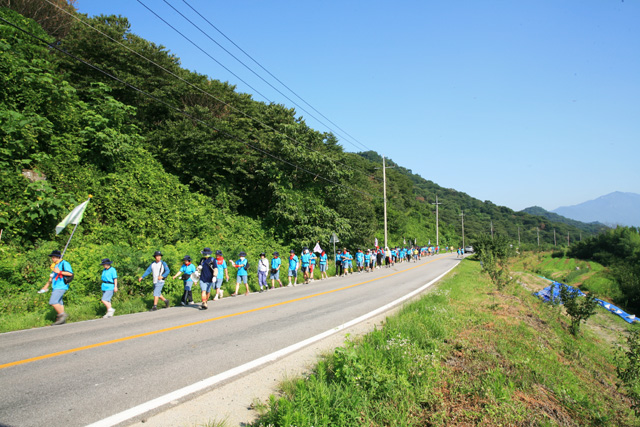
(577,307)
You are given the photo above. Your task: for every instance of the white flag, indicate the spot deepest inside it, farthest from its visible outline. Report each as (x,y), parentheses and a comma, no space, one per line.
(376,243)
(74,217)
(404,240)
(317,248)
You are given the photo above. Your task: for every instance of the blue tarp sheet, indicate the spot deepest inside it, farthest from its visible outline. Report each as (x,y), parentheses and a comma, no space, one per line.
(546,296)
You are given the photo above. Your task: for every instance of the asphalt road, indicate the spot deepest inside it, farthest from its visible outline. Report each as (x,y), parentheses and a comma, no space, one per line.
(80,373)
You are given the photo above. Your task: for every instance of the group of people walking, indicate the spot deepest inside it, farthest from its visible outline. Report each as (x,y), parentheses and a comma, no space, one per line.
(212,269)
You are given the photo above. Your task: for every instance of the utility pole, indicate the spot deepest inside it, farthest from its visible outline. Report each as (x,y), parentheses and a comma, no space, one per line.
(437,233)
(538,233)
(518,236)
(491,230)
(568,240)
(462,216)
(384,182)
(554,237)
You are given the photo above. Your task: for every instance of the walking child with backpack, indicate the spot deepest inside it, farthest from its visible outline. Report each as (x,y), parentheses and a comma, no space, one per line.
(59,279)
(208,272)
(185,272)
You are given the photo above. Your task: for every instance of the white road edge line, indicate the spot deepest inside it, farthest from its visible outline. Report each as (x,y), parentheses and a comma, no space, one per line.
(208,382)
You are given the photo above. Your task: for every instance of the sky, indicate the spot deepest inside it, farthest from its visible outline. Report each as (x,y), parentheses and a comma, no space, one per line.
(523,103)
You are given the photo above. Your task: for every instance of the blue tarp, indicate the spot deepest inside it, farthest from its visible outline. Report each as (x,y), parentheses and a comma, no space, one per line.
(546,296)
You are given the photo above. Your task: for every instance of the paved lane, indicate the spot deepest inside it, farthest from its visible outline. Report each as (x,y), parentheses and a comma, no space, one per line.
(83,372)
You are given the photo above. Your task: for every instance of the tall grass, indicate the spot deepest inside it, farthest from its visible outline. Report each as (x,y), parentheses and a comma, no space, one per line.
(462,355)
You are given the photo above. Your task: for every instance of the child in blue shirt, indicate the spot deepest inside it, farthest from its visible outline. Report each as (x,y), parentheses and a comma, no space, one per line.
(294,266)
(59,269)
(274,274)
(242,275)
(109,279)
(323,265)
(186,271)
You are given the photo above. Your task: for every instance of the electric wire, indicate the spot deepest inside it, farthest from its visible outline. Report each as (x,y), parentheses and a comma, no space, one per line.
(238,139)
(74,16)
(256,74)
(273,76)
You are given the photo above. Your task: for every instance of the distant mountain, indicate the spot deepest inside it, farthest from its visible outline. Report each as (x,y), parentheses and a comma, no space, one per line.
(617,208)
(592,227)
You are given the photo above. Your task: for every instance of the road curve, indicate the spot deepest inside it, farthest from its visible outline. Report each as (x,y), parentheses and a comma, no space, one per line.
(84,372)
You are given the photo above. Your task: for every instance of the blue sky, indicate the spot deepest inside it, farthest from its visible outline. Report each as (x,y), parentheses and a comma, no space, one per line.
(519,102)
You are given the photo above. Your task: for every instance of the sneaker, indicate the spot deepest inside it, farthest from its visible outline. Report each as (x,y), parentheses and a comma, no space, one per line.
(166,303)
(154,308)
(215,298)
(109,313)
(204,306)
(61,319)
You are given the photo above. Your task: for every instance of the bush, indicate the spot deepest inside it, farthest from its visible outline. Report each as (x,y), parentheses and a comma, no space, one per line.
(577,307)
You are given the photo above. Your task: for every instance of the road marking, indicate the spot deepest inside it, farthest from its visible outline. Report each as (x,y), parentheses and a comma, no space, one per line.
(200,322)
(208,382)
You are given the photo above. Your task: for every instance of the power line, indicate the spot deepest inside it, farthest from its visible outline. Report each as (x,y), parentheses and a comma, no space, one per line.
(53,46)
(268,72)
(207,93)
(233,56)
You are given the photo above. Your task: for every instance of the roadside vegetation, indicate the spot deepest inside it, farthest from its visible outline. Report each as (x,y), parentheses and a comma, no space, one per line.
(466,354)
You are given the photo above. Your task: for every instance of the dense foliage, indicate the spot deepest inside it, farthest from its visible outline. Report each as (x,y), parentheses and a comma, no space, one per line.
(618,249)
(176,159)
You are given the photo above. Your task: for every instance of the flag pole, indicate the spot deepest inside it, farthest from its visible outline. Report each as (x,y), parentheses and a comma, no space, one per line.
(77,221)
(68,241)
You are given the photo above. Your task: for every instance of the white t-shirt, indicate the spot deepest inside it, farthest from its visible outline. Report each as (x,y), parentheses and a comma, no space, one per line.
(263,264)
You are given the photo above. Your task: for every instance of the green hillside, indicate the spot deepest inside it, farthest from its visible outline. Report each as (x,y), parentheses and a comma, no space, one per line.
(176,160)
(589,228)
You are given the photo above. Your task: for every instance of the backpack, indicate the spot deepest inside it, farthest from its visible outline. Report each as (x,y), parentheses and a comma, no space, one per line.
(66,279)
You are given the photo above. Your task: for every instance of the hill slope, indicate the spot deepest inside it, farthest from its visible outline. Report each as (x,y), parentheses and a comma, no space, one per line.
(615,208)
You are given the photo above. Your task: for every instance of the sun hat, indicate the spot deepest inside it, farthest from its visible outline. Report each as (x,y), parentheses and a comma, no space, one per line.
(56,253)
(276,253)
(242,253)
(105,261)
(156,253)
(206,251)
(292,251)
(218,252)
(186,258)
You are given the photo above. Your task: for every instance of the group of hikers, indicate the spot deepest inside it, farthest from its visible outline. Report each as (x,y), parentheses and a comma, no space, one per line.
(212,269)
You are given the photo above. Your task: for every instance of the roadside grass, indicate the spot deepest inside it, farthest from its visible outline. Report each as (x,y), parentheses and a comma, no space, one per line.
(464,354)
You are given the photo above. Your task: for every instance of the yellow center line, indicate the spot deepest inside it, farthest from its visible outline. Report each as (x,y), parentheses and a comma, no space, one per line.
(200,322)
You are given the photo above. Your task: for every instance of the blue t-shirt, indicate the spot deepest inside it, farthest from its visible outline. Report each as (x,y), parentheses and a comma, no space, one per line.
(241,265)
(108,279)
(58,281)
(293,263)
(359,256)
(304,259)
(188,269)
(275,263)
(221,268)
(323,259)
(338,258)
(312,260)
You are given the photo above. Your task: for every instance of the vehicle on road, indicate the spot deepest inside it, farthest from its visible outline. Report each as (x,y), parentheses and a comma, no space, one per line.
(468,249)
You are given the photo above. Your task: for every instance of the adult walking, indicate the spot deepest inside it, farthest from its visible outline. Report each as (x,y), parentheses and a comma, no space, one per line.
(109,279)
(59,270)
